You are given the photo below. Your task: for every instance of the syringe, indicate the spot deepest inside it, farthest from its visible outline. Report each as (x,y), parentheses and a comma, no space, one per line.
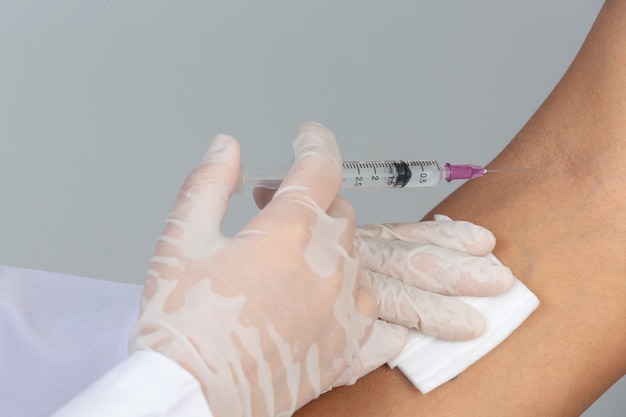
(382,174)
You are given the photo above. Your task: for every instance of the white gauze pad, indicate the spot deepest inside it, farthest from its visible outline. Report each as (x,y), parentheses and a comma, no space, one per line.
(429,362)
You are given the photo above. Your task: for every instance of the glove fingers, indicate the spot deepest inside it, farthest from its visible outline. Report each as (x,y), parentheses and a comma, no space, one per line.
(195,221)
(320,178)
(310,186)
(316,170)
(384,343)
(434,268)
(458,235)
(432,314)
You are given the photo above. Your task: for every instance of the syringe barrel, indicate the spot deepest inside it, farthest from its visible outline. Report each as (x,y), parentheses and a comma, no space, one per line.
(375,174)
(391,174)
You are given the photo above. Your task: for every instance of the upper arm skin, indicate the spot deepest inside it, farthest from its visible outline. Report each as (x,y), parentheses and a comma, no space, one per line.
(563,233)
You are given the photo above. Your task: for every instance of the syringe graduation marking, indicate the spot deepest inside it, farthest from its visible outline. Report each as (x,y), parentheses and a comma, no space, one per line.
(404,173)
(398,173)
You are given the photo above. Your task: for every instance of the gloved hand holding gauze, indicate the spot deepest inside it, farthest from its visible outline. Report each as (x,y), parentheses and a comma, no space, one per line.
(270,318)
(484,302)
(414,268)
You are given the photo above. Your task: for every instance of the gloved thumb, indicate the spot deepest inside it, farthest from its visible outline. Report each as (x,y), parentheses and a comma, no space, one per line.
(384,343)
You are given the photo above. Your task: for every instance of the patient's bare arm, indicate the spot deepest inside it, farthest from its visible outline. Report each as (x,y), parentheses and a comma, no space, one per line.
(563,232)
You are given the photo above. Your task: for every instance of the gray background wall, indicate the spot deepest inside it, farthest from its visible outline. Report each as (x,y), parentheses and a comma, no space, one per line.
(106,105)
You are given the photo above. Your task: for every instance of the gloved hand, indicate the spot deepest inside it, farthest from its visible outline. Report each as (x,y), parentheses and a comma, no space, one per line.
(413,268)
(269,318)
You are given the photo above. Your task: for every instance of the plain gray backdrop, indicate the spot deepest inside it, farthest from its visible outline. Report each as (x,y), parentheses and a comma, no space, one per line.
(106,105)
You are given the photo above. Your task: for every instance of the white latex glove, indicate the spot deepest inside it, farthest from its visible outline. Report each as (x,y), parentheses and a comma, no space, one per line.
(414,268)
(269,318)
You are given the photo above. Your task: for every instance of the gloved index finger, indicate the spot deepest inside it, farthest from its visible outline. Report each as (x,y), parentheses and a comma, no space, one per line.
(316,171)
(194,224)
(458,235)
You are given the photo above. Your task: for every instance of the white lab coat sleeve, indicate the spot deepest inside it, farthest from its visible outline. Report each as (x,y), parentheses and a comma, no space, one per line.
(146,384)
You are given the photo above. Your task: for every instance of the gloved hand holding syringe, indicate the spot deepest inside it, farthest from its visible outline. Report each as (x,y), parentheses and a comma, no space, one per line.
(381,174)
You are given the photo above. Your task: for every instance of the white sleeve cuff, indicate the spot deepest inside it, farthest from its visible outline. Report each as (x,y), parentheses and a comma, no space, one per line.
(146,384)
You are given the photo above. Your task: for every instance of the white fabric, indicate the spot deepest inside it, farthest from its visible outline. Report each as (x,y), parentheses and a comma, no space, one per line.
(428,362)
(58,334)
(146,384)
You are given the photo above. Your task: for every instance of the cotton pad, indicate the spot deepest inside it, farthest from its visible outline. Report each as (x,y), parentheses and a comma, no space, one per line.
(429,362)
